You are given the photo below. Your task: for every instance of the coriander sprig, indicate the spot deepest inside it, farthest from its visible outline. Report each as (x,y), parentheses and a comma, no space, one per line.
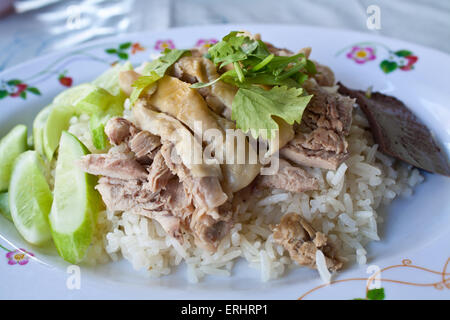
(253,64)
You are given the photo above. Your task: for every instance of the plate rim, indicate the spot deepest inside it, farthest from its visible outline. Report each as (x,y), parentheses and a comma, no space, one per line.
(116,39)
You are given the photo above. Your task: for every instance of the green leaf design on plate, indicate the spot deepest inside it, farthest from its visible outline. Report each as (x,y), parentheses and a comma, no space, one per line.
(122,55)
(388,66)
(34,90)
(376,294)
(111,51)
(403,53)
(3,94)
(23,95)
(14,82)
(125,46)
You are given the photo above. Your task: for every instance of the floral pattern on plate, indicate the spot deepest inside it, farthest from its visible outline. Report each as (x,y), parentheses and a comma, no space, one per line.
(391,60)
(123,50)
(375,292)
(16,88)
(206,43)
(19,256)
(162,45)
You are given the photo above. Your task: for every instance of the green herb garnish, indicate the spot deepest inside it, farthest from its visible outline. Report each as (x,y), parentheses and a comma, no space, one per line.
(253,64)
(155,70)
(254,107)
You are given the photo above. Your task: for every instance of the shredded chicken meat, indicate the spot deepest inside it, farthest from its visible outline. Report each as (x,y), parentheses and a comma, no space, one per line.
(160,187)
(300,239)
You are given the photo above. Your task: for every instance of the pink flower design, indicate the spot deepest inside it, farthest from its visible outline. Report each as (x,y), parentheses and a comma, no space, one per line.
(20,257)
(164,44)
(207,43)
(361,54)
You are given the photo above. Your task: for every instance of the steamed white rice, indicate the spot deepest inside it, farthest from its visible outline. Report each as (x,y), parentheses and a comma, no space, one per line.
(345,209)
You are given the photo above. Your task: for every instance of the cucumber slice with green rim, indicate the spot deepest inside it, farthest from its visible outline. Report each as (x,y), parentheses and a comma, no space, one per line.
(86,98)
(72,96)
(38,129)
(109,80)
(58,120)
(11,146)
(30,198)
(76,202)
(4,206)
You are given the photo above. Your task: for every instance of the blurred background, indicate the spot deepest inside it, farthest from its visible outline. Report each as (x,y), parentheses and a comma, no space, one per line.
(30,28)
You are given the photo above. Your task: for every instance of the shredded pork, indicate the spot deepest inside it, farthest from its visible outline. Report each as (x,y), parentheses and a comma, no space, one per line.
(320,139)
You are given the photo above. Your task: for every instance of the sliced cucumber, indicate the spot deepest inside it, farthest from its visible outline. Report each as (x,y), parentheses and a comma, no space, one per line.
(4,206)
(11,146)
(58,120)
(76,202)
(86,98)
(38,129)
(109,80)
(30,198)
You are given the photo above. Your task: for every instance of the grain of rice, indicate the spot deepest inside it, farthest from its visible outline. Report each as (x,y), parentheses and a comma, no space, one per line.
(322,267)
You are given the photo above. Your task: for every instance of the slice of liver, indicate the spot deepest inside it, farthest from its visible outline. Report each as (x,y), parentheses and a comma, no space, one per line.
(399,133)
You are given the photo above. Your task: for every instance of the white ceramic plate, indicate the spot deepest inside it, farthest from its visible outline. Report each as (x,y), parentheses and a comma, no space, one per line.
(414,250)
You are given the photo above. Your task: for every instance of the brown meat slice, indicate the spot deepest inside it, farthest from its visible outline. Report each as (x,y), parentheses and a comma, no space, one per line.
(206,191)
(289,178)
(399,133)
(300,239)
(320,139)
(118,165)
(329,110)
(318,159)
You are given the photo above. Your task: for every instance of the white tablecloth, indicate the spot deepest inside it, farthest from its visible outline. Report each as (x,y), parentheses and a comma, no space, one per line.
(41,26)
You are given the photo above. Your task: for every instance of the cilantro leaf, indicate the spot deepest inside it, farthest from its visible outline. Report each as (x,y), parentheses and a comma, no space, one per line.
(160,65)
(154,71)
(232,48)
(253,64)
(254,107)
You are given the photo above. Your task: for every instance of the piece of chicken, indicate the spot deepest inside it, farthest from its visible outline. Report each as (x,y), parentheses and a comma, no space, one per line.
(300,239)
